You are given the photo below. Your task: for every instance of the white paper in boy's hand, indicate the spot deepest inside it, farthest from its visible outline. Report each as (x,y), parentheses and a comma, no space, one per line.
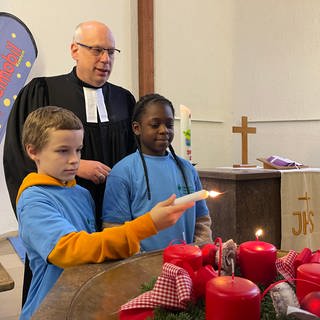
(301,314)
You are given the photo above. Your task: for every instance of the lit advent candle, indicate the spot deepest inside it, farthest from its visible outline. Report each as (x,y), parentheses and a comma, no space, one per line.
(232,298)
(196,196)
(257,261)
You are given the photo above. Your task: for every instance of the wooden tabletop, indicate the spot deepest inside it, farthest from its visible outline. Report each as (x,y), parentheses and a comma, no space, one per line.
(96,291)
(6,282)
(239,173)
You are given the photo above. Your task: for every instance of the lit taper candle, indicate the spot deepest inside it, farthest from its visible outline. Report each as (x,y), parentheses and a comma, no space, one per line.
(196,196)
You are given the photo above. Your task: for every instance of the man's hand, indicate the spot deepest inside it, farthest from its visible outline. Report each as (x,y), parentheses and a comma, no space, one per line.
(92,170)
(165,214)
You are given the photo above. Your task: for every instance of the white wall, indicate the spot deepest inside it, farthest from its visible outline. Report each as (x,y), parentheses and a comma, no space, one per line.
(225,59)
(193,66)
(52,24)
(222,59)
(277,76)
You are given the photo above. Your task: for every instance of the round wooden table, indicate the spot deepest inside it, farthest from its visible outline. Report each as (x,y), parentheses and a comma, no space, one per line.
(96,291)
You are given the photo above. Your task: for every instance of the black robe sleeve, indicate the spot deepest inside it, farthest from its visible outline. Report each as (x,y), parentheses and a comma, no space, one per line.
(15,162)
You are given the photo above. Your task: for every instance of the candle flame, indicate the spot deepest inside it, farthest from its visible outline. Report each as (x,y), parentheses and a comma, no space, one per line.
(259,233)
(213,193)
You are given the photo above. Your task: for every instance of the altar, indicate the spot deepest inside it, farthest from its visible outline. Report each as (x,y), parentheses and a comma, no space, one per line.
(250,200)
(284,203)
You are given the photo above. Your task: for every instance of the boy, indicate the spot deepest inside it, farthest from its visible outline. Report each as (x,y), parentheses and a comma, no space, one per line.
(56,216)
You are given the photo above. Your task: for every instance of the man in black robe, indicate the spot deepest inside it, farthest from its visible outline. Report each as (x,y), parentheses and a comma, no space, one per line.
(108,135)
(105,110)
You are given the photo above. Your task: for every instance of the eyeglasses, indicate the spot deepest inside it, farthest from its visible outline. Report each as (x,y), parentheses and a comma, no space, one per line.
(98,51)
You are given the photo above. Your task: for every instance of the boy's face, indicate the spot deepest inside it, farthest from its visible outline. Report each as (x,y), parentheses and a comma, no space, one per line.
(60,157)
(155,130)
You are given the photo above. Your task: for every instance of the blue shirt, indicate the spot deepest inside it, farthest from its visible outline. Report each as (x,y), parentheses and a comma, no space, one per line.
(45,214)
(126,197)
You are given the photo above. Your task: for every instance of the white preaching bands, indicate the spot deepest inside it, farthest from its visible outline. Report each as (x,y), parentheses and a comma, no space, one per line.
(94,101)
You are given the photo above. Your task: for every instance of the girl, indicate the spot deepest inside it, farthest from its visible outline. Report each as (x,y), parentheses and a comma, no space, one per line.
(151,174)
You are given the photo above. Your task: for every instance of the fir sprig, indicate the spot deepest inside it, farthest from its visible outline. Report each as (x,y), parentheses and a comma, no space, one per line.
(193,311)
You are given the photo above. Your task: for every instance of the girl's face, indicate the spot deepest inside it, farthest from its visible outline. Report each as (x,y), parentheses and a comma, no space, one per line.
(60,156)
(155,129)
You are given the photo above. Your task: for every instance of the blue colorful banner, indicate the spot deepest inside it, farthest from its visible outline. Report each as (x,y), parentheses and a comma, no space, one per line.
(18,52)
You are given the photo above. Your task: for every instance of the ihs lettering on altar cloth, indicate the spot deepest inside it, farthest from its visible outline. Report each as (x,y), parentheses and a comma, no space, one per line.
(244,130)
(305,218)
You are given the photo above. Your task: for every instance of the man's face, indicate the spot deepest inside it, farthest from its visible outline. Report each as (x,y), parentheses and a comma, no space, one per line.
(92,68)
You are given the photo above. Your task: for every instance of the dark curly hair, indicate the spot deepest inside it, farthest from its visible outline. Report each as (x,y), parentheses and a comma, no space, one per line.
(138,111)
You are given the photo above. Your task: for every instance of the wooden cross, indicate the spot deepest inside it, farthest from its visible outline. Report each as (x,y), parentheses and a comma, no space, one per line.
(244,130)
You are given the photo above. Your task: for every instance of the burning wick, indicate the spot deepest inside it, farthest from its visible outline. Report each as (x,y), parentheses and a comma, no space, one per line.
(232,269)
(258,234)
(196,196)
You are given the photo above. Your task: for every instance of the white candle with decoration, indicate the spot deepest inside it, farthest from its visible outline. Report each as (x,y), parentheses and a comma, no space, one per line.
(185,128)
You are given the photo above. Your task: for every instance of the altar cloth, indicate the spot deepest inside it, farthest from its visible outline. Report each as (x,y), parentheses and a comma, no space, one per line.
(300,209)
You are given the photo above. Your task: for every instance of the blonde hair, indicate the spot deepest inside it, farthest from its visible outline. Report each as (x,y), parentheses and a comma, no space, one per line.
(39,122)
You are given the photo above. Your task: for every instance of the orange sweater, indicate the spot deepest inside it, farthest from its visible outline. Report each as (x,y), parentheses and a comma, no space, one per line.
(81,247)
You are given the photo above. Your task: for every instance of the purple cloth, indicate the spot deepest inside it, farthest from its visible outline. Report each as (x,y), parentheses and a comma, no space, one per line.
(278,161)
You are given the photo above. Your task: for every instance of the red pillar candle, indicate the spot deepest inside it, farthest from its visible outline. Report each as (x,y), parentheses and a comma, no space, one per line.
(230,298)
(310,272)
(257,261)
(183,255)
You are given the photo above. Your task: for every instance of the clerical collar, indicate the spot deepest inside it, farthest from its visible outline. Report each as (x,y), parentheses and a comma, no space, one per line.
(82,83)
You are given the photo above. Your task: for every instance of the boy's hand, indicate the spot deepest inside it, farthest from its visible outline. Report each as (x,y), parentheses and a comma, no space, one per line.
(165,214)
